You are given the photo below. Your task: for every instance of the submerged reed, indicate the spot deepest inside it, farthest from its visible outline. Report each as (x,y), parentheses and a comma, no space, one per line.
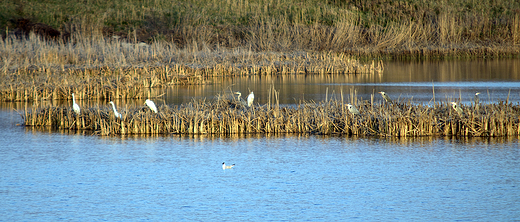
(228,116)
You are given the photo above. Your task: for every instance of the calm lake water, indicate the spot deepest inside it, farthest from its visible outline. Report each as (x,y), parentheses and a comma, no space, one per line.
(404,81)
(50,175)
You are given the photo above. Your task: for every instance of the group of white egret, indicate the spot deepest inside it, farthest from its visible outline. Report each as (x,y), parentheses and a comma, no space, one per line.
(151,104)
(118,115)
(250,98)
(387,99)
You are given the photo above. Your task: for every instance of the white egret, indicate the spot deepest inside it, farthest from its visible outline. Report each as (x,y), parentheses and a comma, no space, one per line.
(75,106)
(352,109)
(385,97)
(457,108)
(151,104)
(476,99)
(116,114)
(250,99)
(240,100)
(239,95)
(226,167)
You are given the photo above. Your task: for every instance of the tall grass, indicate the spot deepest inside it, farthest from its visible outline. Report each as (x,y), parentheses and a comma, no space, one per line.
(228,116)
(109,69)
(399,28)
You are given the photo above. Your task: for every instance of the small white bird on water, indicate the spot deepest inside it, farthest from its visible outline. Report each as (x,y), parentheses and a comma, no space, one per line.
(151,104)
(352,109)
(250,99)
(226,167)
(75,106)
(118,115)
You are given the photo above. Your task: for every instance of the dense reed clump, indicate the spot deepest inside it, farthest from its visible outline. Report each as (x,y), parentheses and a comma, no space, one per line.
(110,69)
(228,116)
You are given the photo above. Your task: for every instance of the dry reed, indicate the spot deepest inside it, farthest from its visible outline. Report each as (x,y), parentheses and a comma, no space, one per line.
(110,69)
(420,28)
(227,116)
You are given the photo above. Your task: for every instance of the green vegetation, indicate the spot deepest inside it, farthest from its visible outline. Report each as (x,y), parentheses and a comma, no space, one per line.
(397,28)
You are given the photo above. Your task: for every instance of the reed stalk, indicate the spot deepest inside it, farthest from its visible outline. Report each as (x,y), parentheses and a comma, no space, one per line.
(95,69)
(227,116)
(421,28)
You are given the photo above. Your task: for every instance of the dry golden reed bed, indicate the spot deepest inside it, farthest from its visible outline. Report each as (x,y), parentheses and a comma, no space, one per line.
(108,69)
(227,116)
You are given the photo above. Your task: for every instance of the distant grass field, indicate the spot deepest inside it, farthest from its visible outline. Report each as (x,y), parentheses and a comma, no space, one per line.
(406,28)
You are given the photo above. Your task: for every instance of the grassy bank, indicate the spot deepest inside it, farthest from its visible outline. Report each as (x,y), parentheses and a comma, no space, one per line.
(228,116)
(395,28)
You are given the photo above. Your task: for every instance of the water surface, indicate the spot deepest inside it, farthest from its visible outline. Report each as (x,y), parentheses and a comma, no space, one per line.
(496,80)
(417,81)
(53,176)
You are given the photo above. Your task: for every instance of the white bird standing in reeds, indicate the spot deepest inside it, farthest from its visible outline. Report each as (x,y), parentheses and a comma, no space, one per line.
(116,114)
(457,108)
(151,105)
(239,95)
(476,99)
(239,98)
(75,106)
(226,167)
(352,109)
(250,99)
(385,97)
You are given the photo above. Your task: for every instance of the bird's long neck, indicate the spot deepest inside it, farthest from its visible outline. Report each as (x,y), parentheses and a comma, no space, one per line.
(114,107)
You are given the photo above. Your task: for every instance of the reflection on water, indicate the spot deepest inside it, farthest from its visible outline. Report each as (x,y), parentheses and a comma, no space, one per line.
(453,71)
(59,176)
(403,81)
(451,80)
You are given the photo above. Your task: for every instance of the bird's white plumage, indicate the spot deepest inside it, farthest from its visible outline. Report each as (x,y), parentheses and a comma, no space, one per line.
(116,114)
(476,99)
(75,106)
(457,108)
(151,105)
(250,99)
(352,109)
(227,167)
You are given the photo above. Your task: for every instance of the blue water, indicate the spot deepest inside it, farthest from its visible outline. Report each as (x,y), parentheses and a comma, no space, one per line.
(51,176)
